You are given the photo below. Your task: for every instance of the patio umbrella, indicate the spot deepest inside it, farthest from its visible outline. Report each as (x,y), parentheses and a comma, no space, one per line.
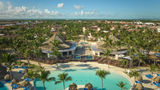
(23,64)
(25,75)
(157,79)
(139,86)
(73,86)
(89,86)
(14,81)
(139,78)
(23,71)
(13,64)
(23,83)
(7,77)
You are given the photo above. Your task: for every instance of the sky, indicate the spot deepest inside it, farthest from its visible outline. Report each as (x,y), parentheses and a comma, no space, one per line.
(79,9)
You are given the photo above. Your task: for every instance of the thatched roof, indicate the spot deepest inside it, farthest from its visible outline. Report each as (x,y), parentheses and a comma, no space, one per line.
(139,78)
(88,86)
(157,79)
(139,86)
(73,86)
(7,77)
(14,81)
(3,72)
(23,83)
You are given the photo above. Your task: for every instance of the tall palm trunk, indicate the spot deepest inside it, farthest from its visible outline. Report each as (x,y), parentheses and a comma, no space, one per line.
(102,84)
(139,64)
(44,85)
(154,62)
(131,63)
(108,63)
(64,85)
(34,84)
(28,61)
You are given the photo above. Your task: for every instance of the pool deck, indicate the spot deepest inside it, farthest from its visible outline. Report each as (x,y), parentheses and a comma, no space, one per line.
(77,65)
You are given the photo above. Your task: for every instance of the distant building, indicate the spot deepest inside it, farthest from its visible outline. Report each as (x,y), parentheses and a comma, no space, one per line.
(148,23)
(158,29)
(96,28)
(84,29)
(139,23)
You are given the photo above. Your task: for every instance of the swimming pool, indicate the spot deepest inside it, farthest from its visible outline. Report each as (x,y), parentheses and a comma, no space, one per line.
(84,76)
(2,86)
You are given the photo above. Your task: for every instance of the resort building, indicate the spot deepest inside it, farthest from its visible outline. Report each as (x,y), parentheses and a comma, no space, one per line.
(66,49)
(119,54)
(95,50)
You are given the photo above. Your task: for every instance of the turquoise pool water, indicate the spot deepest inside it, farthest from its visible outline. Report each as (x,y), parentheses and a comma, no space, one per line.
(84,76)
(2,86)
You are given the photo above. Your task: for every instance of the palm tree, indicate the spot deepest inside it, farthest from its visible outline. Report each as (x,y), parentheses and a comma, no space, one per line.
(63,77)
(44,76)
(33,74)
(107,53)
(124,63)
(154,58)
(8,59)
(102,74)
(134,74)
(122,85)
(152,68)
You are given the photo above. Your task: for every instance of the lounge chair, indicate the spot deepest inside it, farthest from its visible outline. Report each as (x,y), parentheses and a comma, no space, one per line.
(87,89)
(156,84)
(24,67)
(16,67)
(149,76)
(20,71)
(8,81)
(138,82)
(25,88)
(27,79)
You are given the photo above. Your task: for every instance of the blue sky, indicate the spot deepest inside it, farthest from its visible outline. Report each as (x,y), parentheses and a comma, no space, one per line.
(80,9)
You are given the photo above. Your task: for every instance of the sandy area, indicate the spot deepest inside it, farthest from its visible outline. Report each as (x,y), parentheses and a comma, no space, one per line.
(114,69)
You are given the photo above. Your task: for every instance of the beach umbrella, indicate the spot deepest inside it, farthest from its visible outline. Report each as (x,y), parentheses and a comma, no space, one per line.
(23,83)
(25,75)
(139,86)
(7,77)
(157,79)
(23,71)
(13,64)
(89,86)
(14,81)
(73,86)
(139,78)
(23,64)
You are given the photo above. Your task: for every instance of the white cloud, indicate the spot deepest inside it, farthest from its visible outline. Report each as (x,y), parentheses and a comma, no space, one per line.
(60,5)
(9,11)
(84,13)
(47,11)
(78,7)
